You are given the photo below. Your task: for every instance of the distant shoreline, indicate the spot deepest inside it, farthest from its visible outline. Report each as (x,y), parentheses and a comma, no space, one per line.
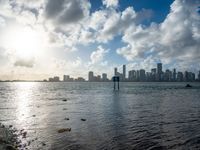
(105,81)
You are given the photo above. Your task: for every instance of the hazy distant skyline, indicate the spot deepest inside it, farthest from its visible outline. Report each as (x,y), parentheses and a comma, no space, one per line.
(41,38)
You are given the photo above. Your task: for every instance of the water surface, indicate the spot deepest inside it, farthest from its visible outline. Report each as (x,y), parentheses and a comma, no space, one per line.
(138,116)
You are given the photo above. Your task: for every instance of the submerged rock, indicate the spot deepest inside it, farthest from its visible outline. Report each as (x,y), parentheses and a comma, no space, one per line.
(43,144)
(64,130)
(10,147)
(64,100)
(8,138)
(66,118)
(83,119)
(188,85)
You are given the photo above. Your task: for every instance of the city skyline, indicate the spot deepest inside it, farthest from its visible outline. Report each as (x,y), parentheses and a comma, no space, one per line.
(45,38)
(156,74)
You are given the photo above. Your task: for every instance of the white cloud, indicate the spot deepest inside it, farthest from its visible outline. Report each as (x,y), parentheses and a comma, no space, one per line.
(176,38)
(111,3)
(98,55)
(69,24)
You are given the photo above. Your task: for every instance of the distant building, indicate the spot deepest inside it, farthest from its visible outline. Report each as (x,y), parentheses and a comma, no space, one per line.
(66,78)
(148,76)
(159,71)
(80,79)
(189,76)
(54,79)
(180,77)
(50,79)
(174,74)
(90,76)
(115,71)
(153,74)
(142,75)
(137,75)
(167,75)
(98,78)
(156,74)
(132,75)
(124,72)
(104,77)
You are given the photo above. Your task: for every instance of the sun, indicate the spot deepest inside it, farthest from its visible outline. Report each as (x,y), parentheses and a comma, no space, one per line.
(24,42)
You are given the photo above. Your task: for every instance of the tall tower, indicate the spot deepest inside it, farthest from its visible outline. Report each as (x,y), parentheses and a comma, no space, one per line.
(115,71)
(174,74)
(90,76)
(124,72)
(159,71)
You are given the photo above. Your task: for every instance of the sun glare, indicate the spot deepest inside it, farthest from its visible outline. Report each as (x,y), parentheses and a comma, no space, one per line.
(24,42)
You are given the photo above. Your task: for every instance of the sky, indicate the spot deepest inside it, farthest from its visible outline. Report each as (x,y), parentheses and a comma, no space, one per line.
(44,38)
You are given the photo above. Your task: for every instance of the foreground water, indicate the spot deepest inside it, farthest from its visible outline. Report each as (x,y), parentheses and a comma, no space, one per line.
(139,116)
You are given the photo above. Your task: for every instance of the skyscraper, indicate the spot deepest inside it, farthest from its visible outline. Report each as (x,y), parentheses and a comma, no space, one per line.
(159,71)
(124,72)
(132,75)
(153,74)
(104,77)
(142,75)
(174,74)
(115,71)
(179,76)
(66,78)
(90,76)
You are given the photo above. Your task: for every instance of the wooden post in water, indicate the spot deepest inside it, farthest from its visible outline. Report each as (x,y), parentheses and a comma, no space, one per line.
(116,79)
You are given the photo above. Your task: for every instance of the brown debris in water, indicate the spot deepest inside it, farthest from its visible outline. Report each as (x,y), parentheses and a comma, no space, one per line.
(64,130)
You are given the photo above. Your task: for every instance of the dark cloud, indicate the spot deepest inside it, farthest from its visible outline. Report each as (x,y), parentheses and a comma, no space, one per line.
(144,15)
(65,11)
(24,63)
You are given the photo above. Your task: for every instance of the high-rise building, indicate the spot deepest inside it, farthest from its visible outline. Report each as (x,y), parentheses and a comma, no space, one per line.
(179,76)
(66,78)
(142,75)
(90,76)
(153,74)
(148,76)
(54,79)
(159,71)
(186,76)
(124,72)
(104,77)
(115,71)
(167,75)
(132,75)
(174,74)
(98,78)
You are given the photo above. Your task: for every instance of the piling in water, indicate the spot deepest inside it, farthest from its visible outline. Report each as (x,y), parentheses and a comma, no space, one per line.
(116,79)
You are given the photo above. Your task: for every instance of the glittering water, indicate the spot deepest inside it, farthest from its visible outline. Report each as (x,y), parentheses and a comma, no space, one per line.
(139,116)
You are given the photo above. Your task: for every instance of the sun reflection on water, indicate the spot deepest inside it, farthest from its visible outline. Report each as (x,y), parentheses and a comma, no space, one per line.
(24,99)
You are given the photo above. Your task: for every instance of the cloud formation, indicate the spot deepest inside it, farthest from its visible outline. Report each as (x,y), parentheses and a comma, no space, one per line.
(67,11)
(110,3)
(98,55)
(29,63)
(69,26)
(176,38)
